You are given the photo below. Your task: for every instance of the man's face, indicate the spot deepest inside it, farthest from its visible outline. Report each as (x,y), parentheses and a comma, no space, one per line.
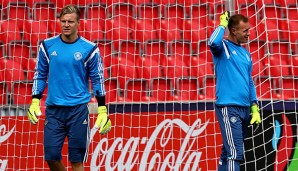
(241,32)
(69,24)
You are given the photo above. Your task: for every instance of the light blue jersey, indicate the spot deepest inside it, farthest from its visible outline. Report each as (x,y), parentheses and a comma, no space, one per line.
(67,67)
(233,67)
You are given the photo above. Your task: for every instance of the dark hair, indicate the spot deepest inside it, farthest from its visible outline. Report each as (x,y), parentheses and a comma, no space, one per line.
(235,20)
(68,9)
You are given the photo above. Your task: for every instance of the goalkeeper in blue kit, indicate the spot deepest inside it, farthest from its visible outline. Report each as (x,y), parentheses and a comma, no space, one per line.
(66,62)
(235,89)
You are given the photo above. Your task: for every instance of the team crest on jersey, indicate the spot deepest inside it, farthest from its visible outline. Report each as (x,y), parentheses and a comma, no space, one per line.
(233,119)
(78,56)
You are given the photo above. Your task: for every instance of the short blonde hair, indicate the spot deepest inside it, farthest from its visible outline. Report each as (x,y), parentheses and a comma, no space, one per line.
(68,9)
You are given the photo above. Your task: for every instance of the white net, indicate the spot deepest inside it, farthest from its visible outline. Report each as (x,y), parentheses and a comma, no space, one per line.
(160,82)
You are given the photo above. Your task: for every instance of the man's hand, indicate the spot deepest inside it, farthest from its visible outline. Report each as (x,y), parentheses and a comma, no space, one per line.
(224,19)
(255,112)
(103,121)
(34,111)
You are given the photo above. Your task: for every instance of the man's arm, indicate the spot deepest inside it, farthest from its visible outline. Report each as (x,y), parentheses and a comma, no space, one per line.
(215,41)
(96,74)
(39,84)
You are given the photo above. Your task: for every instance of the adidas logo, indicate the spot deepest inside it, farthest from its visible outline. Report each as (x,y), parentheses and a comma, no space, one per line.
(54,53)
(85,122)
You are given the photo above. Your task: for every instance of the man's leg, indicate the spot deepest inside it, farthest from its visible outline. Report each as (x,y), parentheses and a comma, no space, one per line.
(231,129)
(78,127)
(77,166)
(54,135)
(223,159)
(56,166)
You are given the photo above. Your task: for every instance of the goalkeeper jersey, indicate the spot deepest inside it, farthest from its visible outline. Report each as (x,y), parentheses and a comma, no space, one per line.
(233,68)
(67,68)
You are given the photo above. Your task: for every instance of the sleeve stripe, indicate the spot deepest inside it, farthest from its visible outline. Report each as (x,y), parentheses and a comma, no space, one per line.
(214,35)
(92,53)
(226,50)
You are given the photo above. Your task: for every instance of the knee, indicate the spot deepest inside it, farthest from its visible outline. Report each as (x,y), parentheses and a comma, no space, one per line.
(52,154)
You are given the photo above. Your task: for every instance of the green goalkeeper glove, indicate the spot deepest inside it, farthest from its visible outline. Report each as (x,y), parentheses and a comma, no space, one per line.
(103,121)
(224,19)
(34,111)
(255,114)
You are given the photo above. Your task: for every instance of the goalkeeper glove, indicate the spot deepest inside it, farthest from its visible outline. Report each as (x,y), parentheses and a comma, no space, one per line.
(224,19)
(255,114)
(34,111)
(103,121)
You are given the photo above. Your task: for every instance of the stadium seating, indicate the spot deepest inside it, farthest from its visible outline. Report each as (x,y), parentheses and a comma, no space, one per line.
(188,88)
(106,50)
(153,49)
(161,88)
(288,89)
(43,11)
(136,89)
(144,30)
(156,50)
(265,87)
(3,93)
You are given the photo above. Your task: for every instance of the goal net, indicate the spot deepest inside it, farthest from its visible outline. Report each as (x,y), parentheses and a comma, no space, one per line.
(160,82)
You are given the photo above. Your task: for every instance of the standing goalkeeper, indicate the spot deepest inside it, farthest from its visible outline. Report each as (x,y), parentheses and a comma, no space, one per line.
(235,90)
(67,61)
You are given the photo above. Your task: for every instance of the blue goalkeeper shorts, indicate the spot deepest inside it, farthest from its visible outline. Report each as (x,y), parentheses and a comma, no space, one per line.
(233,122)
(71,122)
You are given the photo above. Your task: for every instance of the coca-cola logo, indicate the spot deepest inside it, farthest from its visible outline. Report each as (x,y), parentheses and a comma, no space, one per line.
(3,135)
(129,158)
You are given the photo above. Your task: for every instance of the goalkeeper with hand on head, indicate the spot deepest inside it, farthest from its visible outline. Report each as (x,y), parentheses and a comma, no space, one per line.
(67,61)
(235,89)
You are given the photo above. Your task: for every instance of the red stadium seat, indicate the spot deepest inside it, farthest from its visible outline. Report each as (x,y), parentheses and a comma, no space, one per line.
(30,68)
(9,31)
(293,34)
(117,30)
(91,30)
(2,50)
(294,65)
(181,50)
(288,88)
(125,12)
(136,89)
(279,65)
(61,4)
(3,92)
(111,87)
(194,32)
(272,11)
(44,10)
(11,71)
(156,50)
(97,11)
(204,51)
(209,87)
(55,27)
(149,68)
(161,89)
(22,92)
(280,47)
(265,88)
(144,29)
(18,11)
(129,49)
(138,3)
(251,11)
(168,30)
(199,11)
(292,12)
(106,51)
(35,32)
(175,13)
(200,67)
(149,11)
(174,68)
(188,88)
(124,69)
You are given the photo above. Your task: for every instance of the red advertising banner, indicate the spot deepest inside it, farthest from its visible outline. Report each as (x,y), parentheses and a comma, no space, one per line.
(145,141)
